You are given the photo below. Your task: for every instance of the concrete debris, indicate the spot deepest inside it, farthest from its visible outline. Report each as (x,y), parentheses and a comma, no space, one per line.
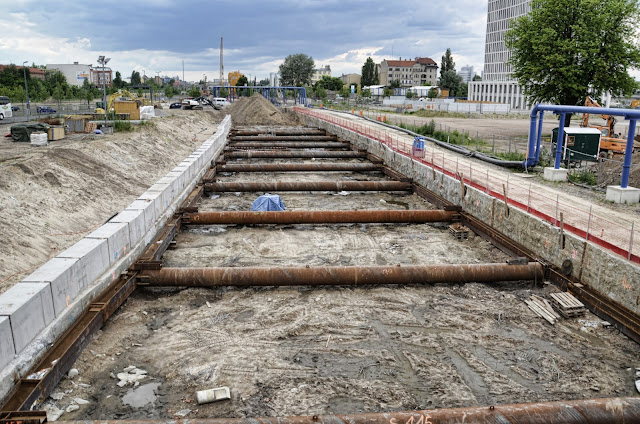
(53,412)
(131,375)
(57,395)
(183,413)
(81,401)
(73,373)
(72,407)
(213,395)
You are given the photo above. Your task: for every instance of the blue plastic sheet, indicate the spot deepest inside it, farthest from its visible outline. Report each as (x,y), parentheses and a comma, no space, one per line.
(268,202)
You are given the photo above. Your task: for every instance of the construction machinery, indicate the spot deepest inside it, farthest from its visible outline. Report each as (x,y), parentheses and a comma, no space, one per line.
(191,104)
(635,104)
(610,142)
(121,94)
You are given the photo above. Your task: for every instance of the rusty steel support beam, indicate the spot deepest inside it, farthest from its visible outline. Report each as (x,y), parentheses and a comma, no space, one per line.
(286,138)
(298,154)
(291,145)
(585,411)
(298,167)
(320,217)
(341,275)
(275,186)
(281,131)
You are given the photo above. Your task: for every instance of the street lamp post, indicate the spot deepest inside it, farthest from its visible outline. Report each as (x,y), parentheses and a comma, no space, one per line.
(157,81)
(26,89)
(103,61)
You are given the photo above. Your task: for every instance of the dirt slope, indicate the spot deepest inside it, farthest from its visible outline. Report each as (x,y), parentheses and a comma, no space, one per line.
(51,197)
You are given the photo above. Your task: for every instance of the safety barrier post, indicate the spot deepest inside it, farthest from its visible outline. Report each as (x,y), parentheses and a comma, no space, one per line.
(633,224)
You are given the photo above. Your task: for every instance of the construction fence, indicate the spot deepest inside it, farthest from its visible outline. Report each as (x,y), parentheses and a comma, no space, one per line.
(618,236)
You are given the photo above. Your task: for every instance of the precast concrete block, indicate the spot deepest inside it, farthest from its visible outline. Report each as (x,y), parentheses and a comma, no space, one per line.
(173,183)
(166,192)
(180,179)
(197,159)
(7,349)
(190,165)
(137,224)
(153,198)
(29,307)
(65,277)
(552,174)
(93,256)
(617,194)
(117,236)
(149,211)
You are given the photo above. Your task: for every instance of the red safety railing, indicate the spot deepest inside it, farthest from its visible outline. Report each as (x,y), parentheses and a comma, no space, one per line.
(615,236)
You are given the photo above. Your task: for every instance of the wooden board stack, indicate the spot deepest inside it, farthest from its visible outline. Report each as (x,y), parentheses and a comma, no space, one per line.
(542,308)
(567,305)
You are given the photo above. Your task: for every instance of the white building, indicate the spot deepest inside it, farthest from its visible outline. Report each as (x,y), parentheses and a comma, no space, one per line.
(498,85)
(421,71)
(466,73)
(76,73)
(325,71)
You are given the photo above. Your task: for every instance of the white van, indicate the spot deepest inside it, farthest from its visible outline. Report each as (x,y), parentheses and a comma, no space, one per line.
(5,108)
(220,101)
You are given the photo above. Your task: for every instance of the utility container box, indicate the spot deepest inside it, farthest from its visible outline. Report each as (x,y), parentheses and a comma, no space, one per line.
(76,123)
(55,133)
(417,150)
(132,108)
(581,144)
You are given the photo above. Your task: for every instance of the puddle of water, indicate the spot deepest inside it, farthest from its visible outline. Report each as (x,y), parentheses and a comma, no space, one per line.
(141,396)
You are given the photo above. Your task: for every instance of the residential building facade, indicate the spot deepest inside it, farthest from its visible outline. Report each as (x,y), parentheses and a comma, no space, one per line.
(350,79)
(498,85)
(34,72)
(76,73)
(102,76)
(421,71)
(325,71)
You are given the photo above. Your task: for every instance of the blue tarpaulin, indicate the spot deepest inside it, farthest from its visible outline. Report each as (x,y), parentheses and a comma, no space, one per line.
(268,202)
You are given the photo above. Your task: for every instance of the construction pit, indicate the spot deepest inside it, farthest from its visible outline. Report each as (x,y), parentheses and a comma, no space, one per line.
(295,336)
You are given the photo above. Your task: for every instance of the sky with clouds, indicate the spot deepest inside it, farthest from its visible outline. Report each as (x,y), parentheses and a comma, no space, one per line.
(157,35)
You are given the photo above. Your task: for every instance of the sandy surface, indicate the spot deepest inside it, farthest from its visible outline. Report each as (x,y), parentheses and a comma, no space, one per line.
(306,351)
(51,197)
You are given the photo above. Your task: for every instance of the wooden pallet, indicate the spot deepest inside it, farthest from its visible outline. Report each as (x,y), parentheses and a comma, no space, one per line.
(459,231)
(567,305)
(542,308)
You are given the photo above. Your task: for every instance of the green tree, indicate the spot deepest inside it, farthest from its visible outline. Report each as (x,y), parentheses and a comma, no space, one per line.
(296,70)
(369,71)
(19,94)
(477,78)
(135,78)
(387,92)
(366,93)
(345,91)
(376,76)
(194,91)
(224,92)
(242,81)
(117,81)
(169,91)
(53,79)
(447,63)
(264,82)
(395,84)
(564,50)
(58,93)
(433,93)
(330,83)
(411,94)
(451,81)
(320,92)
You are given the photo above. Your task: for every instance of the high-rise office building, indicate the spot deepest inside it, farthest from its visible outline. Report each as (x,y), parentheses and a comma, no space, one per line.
(498,84)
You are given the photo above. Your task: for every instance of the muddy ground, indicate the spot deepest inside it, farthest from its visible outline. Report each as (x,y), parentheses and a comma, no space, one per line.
(306,351)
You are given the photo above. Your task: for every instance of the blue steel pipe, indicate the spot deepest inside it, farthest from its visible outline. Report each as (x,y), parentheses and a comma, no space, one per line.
(626,168)
(539,137)
(632,114)
(560,141)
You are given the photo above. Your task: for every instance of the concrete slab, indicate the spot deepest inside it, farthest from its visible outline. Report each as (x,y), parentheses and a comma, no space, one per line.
(148,208)
(166,192)
(137,224)
(7,350)
(29,307)
(117,236)
(93,255)
(552,174)
(65,277)
(173,182)
(617,194)
(154,198)
(180,179)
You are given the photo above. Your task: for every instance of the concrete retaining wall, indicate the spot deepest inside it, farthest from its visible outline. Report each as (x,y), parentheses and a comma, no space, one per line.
(608,273)
(37,310)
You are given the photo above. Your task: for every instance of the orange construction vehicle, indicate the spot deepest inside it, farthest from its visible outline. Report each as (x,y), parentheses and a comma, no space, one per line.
(610,141)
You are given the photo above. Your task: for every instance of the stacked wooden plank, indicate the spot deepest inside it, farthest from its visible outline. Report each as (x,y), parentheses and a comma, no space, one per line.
(542,308)
(459,231)
(567,305)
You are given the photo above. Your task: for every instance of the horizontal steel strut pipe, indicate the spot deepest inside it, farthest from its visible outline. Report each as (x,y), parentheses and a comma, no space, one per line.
(342,275)
(320,217)
(275,186)
(286,138)
(292,145)
(293,154)
(294,131)
(298,167)
(590,411)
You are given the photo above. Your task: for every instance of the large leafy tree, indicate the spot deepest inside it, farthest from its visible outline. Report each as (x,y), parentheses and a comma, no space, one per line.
(135,78)
(242,81)
(369,71)
(330,83)
(117,81)
(565,50)
(297,70)
(453,82)
(447,63)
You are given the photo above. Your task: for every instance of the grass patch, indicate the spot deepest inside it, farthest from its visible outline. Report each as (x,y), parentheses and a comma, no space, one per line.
(583,177)
(454,137)
(122,126)
(520,157)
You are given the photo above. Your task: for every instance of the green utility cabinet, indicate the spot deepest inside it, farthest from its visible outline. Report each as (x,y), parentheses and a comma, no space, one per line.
(581,144)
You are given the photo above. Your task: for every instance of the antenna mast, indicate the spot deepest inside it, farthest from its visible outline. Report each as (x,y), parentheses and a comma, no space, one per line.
(221,65)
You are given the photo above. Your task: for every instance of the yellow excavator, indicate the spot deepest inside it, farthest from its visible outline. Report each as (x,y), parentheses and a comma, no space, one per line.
(121,94)
(609,141)
(635,104)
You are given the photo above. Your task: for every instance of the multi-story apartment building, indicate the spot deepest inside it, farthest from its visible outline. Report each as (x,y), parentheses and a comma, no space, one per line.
(498,85)
(410,73)
(325,71)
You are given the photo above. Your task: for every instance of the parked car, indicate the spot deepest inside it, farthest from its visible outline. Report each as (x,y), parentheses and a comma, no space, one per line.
(45,109)
(15,108)
(176,105)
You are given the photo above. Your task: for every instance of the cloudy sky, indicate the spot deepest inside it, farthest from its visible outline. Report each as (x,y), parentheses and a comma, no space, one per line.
(157,35)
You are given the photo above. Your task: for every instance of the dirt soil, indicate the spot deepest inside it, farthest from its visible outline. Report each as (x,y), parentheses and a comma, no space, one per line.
(256,110)
(306,351)
(51,197)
